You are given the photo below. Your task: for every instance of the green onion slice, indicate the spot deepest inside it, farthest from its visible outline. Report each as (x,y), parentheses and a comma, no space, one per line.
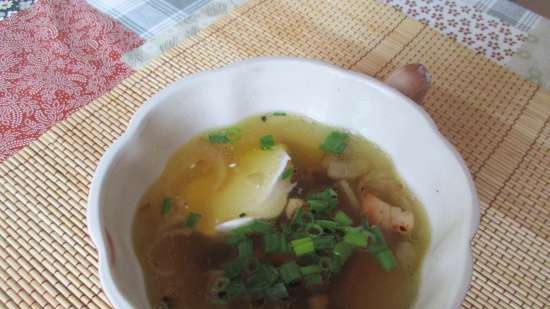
(303,246)
(246,248)
(192,219)
(277,292)
(310,270)
(386,260)
(287,173)
(343,219)
(335,143)
(290,272)
(313,280)
(267,142)
(166,206)
(356,237)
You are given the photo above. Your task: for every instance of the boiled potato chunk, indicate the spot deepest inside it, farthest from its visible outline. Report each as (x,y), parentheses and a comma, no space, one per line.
(254,187)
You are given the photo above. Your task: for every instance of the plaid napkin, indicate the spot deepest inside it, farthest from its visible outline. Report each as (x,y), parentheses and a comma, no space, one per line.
(509,12)
(148,18)
(10,7)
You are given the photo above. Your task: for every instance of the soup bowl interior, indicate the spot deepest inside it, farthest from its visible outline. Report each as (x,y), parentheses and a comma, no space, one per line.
(427,163)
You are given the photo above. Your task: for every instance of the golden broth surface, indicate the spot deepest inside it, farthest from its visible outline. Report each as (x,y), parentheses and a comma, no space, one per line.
(177,271)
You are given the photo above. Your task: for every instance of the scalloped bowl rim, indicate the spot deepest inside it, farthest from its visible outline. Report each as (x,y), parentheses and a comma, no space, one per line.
(94,208)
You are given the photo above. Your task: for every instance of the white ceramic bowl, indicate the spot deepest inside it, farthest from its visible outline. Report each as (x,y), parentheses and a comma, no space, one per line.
(430,166)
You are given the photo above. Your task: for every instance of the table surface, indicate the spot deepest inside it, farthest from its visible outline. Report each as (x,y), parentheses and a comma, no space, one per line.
(498,121)
(498,29)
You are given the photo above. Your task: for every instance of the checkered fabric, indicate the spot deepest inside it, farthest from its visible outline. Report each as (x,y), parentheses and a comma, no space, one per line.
(509,12)
(148,18)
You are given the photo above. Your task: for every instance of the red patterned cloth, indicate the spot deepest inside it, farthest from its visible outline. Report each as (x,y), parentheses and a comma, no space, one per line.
(54,58)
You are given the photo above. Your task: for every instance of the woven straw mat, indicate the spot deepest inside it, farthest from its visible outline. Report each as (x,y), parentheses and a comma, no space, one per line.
(498,121)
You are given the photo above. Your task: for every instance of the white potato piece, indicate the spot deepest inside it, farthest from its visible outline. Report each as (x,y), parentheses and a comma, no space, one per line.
(254,187)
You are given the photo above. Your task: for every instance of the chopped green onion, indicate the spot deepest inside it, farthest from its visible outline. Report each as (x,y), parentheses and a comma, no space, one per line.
(379,243)
(323,201)
(328,195)
(264,277)
(307,217)
(243,230)
(235,239)
(261,227)
(327,224)
(325,242)
(166,206)
(218,138)
(277,292)
(285,228)
(317,206)
(257,283)
(298,235)
(279,114)
(234,268)
(290,272)
(287,173)
(342,218)
(310,270)
(270,272)
(272,243)
(225,136)
(284,244)
(298,217)
(313,280)
(252,265)
(336,264)
(335,143)
(314,230)
(386,260)
(255,227)
(267,142)
(303,246)
(192,219)
(343,250)
(234,134)
(310,259)
(235,289)
(246,248)
(356,237)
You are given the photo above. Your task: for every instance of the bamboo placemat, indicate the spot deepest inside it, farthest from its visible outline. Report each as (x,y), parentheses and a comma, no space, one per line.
(498,121)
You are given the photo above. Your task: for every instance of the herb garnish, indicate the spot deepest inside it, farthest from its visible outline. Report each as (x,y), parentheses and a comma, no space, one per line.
(335,143)
(225,136)
(166,206)
(192,220)
(319,240)
(267,142)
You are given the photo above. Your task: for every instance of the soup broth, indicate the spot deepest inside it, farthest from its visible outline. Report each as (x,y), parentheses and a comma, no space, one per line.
(267,159)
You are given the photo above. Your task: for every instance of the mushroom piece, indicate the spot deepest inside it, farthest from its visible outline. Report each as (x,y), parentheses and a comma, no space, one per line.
(292,205)
(385,215)
(344,186)
(340,169)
